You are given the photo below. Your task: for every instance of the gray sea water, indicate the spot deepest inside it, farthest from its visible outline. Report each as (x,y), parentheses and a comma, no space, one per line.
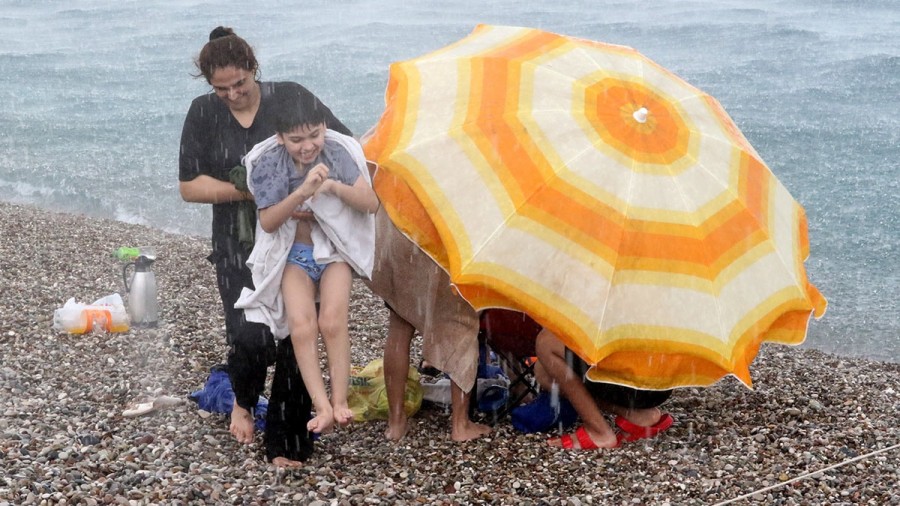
(93,94)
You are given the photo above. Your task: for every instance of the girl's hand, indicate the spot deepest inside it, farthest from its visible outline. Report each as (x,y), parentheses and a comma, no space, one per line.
(314,179)
(328,186)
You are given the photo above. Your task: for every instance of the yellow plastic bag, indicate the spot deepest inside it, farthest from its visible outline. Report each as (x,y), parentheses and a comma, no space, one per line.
(368,396)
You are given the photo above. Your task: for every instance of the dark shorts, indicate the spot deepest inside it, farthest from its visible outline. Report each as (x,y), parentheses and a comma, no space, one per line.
(619,395)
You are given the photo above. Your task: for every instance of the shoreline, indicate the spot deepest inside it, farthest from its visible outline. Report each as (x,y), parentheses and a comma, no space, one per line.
(63,436)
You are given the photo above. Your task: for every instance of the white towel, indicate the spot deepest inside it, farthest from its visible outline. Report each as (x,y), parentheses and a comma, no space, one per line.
(344,233)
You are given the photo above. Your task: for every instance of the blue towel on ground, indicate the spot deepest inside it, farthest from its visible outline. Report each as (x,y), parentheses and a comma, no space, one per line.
(216,396)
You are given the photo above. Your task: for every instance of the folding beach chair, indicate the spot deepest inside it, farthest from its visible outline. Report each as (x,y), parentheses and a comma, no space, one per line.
(511,335)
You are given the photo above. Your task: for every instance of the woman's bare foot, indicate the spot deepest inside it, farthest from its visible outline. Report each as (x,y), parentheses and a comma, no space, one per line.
(241,424)
(283,462)
(469,430)
(322,423)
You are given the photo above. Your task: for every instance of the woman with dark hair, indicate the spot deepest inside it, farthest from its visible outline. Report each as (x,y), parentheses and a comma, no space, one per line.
(220,128)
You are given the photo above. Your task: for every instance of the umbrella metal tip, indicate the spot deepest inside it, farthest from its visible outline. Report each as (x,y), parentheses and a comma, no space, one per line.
(640,115)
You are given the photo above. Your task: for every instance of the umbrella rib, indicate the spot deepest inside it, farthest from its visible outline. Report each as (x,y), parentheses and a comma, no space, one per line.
(686,201)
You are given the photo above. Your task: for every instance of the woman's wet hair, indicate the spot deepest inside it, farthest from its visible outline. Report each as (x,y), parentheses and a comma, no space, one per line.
(295,110)
(225,49)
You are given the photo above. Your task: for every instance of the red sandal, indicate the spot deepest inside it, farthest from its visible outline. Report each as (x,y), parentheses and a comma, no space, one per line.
(632,432)
(584,440)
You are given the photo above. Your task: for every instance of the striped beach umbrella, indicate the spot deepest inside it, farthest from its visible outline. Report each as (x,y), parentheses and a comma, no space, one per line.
(587,186)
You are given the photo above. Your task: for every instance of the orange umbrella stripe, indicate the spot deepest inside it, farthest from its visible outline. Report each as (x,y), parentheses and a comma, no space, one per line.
(684,362)
(496,140)
(610,104)
(714,244)
(632,257)
(660,339)
(693,365)
(408,214)
(755,323)
(548,309)
(638,256)
(667,371)
(790,328)
(668,339)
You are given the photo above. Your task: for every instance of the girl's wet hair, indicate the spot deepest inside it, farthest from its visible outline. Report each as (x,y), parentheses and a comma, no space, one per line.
(225,49)
(295,110)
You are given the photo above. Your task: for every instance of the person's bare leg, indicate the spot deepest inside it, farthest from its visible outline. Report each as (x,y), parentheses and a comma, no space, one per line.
(241,424)
(462,428)
(299,301)
(643,417)
(334,308)
(396,371)
(553,368)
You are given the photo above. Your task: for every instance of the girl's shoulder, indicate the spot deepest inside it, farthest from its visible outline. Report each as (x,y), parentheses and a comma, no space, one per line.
(340,162)
(269,161)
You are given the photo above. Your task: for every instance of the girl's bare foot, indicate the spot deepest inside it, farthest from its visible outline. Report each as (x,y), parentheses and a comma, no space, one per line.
(343,415)
(468,431)
(322,423)
(285,462)
(241,424)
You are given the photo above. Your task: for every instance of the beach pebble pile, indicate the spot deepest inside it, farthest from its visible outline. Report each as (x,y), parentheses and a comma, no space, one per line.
(816,429)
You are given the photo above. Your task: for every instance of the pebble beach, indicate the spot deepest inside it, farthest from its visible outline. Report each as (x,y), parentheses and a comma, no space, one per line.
(816,429)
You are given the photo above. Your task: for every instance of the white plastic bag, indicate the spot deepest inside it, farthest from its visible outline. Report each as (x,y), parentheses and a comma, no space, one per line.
(107,313)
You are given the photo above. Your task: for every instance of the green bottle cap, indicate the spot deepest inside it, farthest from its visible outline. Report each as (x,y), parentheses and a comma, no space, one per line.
(127,253)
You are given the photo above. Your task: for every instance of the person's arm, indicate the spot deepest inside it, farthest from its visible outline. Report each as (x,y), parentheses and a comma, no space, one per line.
(359,196)
(205,189)
(194,182)
(274,216)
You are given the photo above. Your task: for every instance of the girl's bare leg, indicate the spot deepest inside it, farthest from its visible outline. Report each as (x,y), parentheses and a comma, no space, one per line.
(334,308)
(299,301)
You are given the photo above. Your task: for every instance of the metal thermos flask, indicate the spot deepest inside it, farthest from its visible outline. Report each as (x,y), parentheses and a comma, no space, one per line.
(142,305)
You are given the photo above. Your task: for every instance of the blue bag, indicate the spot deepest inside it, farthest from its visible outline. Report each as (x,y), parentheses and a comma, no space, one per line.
(540,415)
